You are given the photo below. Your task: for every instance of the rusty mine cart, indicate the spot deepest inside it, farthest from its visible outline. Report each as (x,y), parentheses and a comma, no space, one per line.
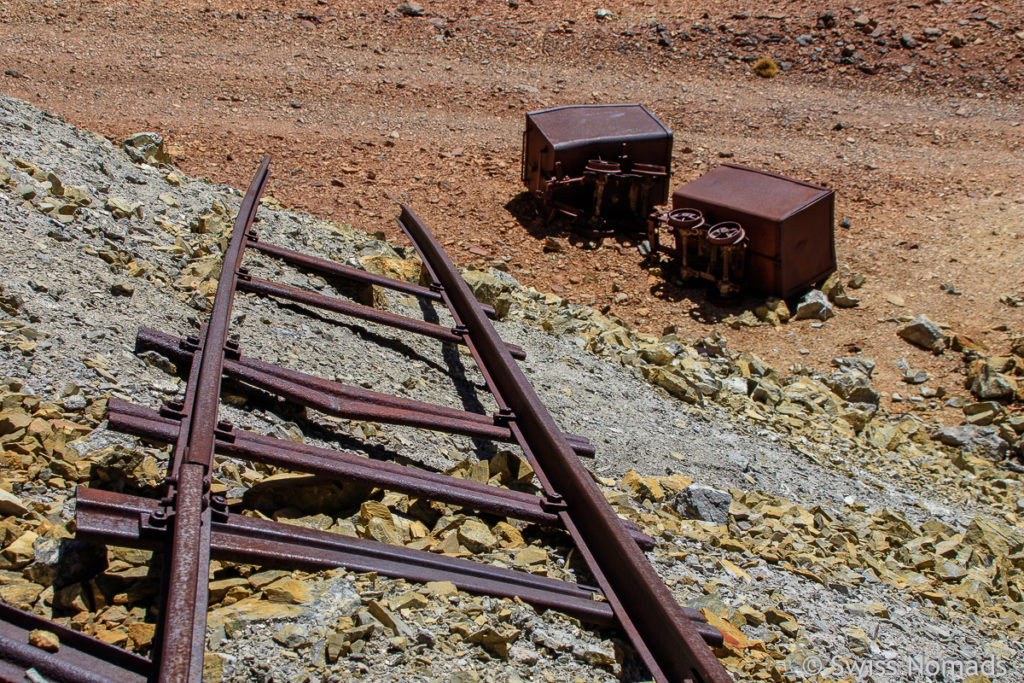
(744,228)
(609,167)
(606,165)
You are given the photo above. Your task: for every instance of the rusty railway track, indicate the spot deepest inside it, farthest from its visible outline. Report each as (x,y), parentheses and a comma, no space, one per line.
(193,526)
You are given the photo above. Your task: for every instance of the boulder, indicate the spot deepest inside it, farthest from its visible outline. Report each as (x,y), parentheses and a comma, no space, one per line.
(925,334)
(815,305)
(984,442)
(705,503)
(146,148)
(490,289)
(987,383)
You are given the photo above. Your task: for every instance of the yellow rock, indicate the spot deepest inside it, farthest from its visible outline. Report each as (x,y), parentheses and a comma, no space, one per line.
(674,483)
(237,616)
(218,589)
(384,531)
(777,616)
(287,590)
(646,488)
(476,536)
(1000,539)
(479,472)
(410,599)
(739,573)
(530,555)
(110,636)
(213,667)
(44,640)
(10,504)
(752,616)
(19,553)
(141,633)
(21,595)
(510,536)
(408,270)
(732,636)
(440,588)
(12,420)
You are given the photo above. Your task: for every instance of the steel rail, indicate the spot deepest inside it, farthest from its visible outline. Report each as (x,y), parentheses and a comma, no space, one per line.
(181,648)
(549,490)
(492,387)
(255,285)
(331,464)
(677,651)
(347,401)
(333,268)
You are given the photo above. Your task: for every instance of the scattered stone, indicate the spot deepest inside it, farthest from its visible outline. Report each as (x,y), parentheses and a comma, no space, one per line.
(490,289)
(982,413)
(496,642)
(292,636)
(925,334)
(553,245)
(773,311)
(146,148)
(981,441)
(987,382)
(476,536)
(122,288)
(389,619)
(44,640)
(814,305)
(410,9)
(705,503)
(441,588)
(122,208)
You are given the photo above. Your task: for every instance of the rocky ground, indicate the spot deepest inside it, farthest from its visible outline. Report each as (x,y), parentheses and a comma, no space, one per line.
(828,536)
(863,519)
(909,110)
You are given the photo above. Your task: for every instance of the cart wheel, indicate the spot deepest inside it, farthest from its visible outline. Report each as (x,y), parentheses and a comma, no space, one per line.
(723,234)
(685,218)
(599,166)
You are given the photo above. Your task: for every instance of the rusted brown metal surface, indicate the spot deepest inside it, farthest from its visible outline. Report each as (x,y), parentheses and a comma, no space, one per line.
(716,253)
(606,165)
(191,525)
(787,241)
(334,269)
(656,625)
(182,640)
(80,658)
(333,464)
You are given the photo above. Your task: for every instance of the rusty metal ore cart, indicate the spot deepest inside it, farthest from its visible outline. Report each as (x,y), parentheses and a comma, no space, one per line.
(785,228)
(606,165)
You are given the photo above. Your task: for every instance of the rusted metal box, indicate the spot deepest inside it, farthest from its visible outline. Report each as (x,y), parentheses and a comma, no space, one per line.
(789,224)
(568,151)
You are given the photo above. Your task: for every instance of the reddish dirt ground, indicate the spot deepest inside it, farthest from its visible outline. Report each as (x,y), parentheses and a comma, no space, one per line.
(910,111)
